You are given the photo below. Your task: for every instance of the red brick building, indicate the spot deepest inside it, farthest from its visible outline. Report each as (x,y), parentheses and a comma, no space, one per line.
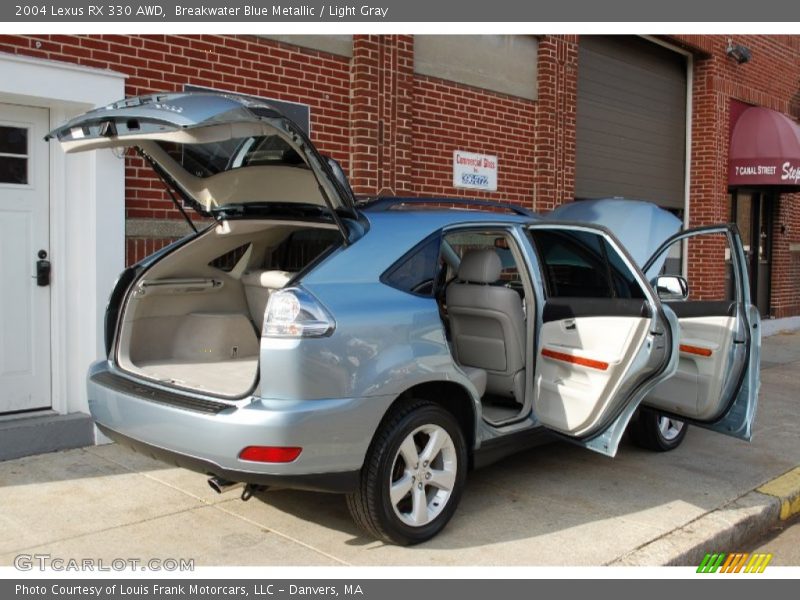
(375,106)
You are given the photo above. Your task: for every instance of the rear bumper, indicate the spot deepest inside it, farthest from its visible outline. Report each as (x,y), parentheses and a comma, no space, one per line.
(346,481)
(204,435)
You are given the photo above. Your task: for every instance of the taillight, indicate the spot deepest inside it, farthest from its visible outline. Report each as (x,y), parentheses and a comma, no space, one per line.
(270,454)
(294,313)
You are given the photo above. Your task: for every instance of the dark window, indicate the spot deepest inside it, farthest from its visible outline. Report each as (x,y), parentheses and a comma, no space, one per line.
(13,155)
(13,140)
(416,271)
(300,248)
(205,160)
(228,261)
(13,170)
(581,264)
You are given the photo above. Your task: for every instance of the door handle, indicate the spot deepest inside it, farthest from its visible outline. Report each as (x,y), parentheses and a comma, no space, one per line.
(569,324)
(43,269)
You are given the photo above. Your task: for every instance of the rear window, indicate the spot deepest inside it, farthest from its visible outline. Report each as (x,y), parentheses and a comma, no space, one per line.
(205,160)
(228,261)
(416,272)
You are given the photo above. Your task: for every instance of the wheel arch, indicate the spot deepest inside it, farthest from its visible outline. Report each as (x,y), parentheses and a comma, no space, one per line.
(453,397)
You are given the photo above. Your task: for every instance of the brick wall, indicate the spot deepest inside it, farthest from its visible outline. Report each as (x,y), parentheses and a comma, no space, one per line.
(556,126)
(395,131)
(533,140)
(785,284)
(449,117)
(381,130)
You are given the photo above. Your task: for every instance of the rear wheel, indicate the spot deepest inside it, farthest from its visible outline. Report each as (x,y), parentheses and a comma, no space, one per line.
(654,431)
(413,475)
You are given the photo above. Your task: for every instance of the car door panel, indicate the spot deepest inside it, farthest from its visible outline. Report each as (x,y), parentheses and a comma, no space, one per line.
(716,383)
(582,362)
(705,346)
(597,354)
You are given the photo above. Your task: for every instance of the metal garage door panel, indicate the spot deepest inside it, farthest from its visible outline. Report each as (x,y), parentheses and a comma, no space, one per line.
(631,120)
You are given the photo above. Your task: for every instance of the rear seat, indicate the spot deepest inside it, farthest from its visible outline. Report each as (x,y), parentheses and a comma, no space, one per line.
(258,285)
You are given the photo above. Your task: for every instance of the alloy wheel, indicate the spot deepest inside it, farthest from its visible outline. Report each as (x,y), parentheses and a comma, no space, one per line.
(423,475)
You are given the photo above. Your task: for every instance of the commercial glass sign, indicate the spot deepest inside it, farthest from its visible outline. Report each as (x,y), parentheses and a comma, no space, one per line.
(474,171)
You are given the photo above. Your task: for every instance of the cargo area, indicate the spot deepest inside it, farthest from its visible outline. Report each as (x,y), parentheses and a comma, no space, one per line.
(194,319)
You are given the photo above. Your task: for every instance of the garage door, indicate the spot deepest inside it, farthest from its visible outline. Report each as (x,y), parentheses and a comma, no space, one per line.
(631,120)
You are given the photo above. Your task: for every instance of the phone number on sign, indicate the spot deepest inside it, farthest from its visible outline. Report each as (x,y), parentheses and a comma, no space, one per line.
(473,179)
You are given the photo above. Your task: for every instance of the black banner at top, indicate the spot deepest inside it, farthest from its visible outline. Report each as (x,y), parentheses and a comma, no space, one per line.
(376,11)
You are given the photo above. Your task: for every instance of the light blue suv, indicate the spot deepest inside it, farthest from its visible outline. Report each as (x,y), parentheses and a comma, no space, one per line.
(382,349)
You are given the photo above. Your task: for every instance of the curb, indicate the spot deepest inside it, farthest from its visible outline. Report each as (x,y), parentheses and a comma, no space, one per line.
(786,489)
(729,527)
(777,326)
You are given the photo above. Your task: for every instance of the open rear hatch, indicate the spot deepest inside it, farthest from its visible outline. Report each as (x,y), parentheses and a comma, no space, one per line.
(192,318)
(223,154)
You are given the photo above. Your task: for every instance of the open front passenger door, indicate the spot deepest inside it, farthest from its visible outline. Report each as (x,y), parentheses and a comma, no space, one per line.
(717,380)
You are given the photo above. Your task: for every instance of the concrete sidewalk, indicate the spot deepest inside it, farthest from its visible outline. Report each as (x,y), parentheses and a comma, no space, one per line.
(783,542)
(553,505)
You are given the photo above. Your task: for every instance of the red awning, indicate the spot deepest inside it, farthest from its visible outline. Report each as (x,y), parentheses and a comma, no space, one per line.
(764,149)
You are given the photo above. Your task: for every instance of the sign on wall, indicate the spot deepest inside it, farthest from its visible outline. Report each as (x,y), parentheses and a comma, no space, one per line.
(764,171)
(474,171)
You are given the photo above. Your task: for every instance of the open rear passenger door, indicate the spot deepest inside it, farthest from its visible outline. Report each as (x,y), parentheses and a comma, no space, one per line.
(604,341)
(716,383)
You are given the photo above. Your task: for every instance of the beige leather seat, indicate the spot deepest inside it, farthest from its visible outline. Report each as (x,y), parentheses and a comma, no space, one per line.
(258,285)
(487,323)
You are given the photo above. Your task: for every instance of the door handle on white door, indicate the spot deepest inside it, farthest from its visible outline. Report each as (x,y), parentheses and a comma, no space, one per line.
(569,324)
(42,270)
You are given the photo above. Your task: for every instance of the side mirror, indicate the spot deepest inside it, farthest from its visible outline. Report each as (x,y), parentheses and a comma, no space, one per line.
(672,287)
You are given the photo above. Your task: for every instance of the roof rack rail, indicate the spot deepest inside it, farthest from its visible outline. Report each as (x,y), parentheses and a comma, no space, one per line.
(388,202)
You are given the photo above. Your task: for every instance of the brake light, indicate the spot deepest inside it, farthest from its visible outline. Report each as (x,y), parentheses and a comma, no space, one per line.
(294,313)
(270,454)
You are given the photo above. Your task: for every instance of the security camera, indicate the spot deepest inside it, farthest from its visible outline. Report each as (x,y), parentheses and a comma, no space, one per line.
(739,53)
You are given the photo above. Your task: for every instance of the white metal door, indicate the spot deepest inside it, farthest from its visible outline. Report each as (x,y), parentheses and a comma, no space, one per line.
(24,240)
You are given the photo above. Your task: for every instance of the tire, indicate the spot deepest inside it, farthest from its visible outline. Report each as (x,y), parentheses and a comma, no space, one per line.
(652,431)
(419,510)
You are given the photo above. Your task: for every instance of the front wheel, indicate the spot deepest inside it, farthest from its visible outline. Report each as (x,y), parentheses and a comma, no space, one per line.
(413,475)
(654,431)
